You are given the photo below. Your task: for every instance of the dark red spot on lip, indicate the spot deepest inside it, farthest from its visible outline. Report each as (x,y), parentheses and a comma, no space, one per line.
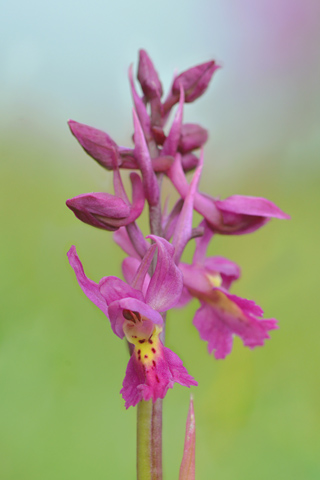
(134,336)
(150,341)
(153,350)
(139,351)
(128,315)
(153,363)
(142,341)
(146,356)
(157,378)
(137,315)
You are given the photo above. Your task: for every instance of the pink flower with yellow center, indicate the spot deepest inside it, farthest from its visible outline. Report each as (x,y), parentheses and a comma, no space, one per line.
(134,312)
(221,315)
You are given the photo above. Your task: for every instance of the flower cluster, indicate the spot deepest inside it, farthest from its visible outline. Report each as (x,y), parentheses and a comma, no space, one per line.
(155,278)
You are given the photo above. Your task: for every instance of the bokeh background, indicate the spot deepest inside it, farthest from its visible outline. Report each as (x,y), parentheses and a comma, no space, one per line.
(61,368)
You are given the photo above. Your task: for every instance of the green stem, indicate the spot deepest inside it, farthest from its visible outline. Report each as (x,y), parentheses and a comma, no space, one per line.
(156,440)
(144,435)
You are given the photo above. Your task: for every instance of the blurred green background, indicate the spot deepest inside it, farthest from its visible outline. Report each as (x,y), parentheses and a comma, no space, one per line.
(61,368)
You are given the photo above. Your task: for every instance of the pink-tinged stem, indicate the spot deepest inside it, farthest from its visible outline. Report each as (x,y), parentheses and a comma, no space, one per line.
(144,435)
(187,468)
(156,440)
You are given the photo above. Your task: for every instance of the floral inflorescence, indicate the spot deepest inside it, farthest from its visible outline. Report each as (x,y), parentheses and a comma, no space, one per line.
(155,278)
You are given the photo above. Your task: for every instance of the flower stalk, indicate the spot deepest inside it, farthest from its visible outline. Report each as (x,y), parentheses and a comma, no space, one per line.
(144,440)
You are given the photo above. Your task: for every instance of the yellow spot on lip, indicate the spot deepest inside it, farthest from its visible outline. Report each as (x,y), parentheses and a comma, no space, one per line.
(214,279)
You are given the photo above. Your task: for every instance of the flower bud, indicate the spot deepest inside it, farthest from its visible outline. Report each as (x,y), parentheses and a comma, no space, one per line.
(148,77)
(195,80)
(100,146)
(192,136)
(189,161)
(106,211)
(101,210)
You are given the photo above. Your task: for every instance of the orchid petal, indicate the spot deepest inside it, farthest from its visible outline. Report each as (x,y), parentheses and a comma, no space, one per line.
(141,110)
(113,288)
(166,283)
(228,270)
(189,162)
(152,381)
(130,266)
(255,206)
(89,288)
(229,315)
(143,159)
(183,229)
(122,239)
(139,278)
(202,244)
(116,308)
(171,143)
(244,214)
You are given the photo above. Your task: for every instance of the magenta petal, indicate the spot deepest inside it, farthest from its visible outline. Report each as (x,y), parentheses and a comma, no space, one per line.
(148,77)
(171,143)
(246,205)
(89,288)
(182,233)
(244,214)
(162,164)
(214,330)
(142,271)
(202,243)
(130,266)
(166,283)
(189,161)
(228,270)
(113,288)
(152,382)
(122,239)
(115,313)
(143,159)
(195,279)
(141,110)
(218,325)
(184,299)
(137,198)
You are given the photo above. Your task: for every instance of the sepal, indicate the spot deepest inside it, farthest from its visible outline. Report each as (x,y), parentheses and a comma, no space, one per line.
(187,468)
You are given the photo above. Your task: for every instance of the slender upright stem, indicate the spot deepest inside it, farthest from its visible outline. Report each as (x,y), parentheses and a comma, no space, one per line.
(144,442)
(156,440)
(149,415)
